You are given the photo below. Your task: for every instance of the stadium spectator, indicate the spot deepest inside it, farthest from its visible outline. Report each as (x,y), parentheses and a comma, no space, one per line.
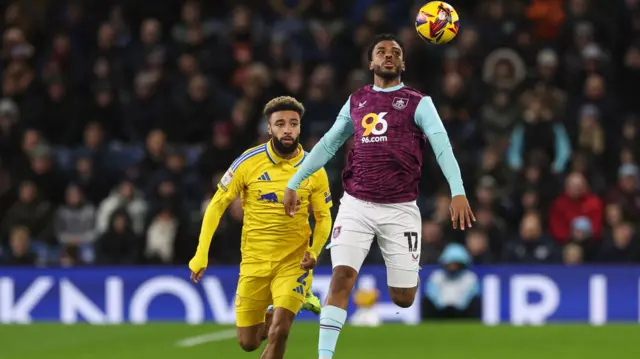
(119,245)
(622,247)
(43,172)
(432,242)
(218,153)
(477,246)
(582,236)
(539,134)
(495,229)
(31,212)
(532,246)
(20,252)
(124,196)
(627,193)
(612,217)
(576,201)
(572,254)
(95,183)
(75,219)
(453,290)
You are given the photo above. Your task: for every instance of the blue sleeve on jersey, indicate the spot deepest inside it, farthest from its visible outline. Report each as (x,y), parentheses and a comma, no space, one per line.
(428,120)
(427,117)
(326,148)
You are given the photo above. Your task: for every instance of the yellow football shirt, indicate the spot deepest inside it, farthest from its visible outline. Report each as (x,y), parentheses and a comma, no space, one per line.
(260,176)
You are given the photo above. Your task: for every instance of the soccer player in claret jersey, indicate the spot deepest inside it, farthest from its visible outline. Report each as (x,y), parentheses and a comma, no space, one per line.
(390,124)
(277,258)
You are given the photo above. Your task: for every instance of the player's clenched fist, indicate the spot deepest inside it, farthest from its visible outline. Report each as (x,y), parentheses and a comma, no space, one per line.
(461,212)
(291,202)
(308,261)
(197,267)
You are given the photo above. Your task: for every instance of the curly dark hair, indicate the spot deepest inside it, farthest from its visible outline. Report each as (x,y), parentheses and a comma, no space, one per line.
(383,37)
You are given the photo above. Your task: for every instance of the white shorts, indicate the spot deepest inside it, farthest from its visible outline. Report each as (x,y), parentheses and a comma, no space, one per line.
(398,228)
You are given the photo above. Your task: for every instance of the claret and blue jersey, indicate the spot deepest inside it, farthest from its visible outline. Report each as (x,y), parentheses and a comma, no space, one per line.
(389,127)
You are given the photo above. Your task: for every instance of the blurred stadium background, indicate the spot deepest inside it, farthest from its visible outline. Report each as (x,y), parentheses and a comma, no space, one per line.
(118,117)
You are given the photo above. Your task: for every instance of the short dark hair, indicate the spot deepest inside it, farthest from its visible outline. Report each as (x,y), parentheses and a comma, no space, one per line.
(380,38)
(283,103)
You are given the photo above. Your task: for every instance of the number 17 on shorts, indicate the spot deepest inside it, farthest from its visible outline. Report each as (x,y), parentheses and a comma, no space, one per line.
(412,242)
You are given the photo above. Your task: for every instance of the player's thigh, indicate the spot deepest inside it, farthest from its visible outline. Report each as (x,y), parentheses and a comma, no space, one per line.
(253,297)
(290,285)
(400,241)
(352,235)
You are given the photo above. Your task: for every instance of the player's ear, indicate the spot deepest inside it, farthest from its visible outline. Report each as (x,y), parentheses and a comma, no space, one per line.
(370,65)
(404,68)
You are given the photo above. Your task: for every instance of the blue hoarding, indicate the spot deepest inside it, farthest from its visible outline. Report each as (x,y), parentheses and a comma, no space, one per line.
(518,295)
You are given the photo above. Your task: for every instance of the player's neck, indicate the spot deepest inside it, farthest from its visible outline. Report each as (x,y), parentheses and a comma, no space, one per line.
(386,83)
(286,156)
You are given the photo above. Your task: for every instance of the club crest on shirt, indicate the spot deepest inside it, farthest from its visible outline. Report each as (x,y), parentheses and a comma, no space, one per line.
(400,103)
(336,231)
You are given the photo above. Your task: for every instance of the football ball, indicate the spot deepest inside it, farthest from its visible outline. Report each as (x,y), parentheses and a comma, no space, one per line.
(437,22)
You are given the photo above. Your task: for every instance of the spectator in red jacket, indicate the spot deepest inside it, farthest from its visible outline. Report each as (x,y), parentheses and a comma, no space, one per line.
(576,201)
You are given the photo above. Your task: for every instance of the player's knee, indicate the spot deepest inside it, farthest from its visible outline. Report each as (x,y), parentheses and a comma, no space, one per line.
(248,344)
(403,297)
(278,333)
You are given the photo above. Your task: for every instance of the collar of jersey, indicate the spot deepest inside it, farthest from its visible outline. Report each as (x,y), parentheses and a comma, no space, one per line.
(390,89)
(273,156)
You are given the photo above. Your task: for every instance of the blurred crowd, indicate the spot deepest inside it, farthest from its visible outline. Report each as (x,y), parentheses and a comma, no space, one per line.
(117,119)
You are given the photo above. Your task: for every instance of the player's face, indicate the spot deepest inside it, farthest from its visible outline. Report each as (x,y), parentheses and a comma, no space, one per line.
(284,128)
(387,60)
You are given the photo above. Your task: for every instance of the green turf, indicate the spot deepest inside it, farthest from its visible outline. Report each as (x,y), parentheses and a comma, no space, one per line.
(429,341)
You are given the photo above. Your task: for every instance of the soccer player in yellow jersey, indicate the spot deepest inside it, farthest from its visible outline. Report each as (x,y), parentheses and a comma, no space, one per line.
(276,256)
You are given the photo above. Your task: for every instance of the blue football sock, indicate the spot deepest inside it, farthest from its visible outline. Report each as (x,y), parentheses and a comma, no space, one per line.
(331,321)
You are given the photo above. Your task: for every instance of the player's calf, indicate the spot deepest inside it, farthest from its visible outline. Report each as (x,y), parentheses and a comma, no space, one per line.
(278,334)
(343,279)
(268,319)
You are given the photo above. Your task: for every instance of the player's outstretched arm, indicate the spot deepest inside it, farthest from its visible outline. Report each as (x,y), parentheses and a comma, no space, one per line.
(321,202)
(321,153)
(428,120)
(228,189)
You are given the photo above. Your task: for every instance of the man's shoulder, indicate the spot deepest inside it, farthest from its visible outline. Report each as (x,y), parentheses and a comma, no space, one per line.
(251,156)
(413,93)
(359,96)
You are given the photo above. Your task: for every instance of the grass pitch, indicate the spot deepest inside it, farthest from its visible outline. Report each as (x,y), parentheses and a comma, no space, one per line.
(429,341)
